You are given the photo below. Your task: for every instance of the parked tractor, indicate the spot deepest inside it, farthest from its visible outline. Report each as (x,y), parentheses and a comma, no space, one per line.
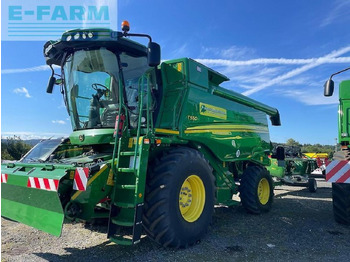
(159,144)
(338,170)
(290,167)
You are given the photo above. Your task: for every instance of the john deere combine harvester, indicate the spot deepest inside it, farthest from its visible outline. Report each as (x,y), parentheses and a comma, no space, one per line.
(338,171)
(158,144)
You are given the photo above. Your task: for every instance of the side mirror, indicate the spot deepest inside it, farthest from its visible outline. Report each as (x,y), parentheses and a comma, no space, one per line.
(328,87)
(153,54)
(52,82)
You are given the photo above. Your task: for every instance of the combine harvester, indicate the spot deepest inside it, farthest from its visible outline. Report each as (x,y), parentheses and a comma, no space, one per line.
(154,145)
(338,171)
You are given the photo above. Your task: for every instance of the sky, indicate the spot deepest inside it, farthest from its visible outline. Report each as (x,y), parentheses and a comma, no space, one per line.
(277,52)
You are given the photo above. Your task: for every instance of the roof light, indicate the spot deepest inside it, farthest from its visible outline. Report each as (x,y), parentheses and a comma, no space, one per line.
(83,36)
(125,26)
(69,38)
(76,36)
(90,35)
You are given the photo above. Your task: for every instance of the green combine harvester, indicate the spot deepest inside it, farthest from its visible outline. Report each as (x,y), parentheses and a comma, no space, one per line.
(338,170)
(154,145)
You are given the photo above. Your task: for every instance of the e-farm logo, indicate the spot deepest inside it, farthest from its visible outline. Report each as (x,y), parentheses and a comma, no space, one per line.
(24,20)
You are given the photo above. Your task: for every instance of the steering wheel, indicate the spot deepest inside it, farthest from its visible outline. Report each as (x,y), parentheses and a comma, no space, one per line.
(95,86)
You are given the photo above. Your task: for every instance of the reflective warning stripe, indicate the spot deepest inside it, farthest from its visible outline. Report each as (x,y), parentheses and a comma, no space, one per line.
(4,178)
(43,183)
(338,171)
(80,178)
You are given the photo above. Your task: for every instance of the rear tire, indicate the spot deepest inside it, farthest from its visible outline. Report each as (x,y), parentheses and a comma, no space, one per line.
(179,199)
(312,185)
(256,190)
(341,202)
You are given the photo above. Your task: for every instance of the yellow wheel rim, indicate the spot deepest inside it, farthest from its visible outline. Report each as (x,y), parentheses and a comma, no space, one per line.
(263,191)
(192,198)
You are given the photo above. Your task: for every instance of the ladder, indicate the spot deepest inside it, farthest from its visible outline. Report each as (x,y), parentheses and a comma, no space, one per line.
(129,164)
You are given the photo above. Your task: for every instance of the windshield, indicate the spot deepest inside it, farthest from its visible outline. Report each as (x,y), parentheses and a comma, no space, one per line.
(92,86)
(42,151)
(92,83)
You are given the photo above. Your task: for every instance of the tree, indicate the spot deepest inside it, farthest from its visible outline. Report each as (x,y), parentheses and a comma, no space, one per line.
(292,142)
(13,148)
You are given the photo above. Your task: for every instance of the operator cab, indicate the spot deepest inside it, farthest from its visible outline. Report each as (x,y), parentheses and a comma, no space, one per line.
(103,75)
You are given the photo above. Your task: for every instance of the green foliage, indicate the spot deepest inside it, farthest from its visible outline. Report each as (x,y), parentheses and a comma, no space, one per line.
(13,148)
(292,142)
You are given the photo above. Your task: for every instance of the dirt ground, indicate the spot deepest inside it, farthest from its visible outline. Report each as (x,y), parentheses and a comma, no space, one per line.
(300,227)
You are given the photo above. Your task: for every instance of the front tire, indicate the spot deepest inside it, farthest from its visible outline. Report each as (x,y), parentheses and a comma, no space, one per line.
(341,202)
(256,190)
(179,199)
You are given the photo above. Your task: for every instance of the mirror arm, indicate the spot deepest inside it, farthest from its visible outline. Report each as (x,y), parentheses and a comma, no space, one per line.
(341,71)
(52,70)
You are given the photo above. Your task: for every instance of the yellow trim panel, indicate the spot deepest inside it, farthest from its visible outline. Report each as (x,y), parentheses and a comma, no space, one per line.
(167,131)
(217,129)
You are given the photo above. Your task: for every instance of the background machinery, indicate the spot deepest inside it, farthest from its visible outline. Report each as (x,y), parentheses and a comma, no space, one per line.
(154,145)
(338,170)
(289,166)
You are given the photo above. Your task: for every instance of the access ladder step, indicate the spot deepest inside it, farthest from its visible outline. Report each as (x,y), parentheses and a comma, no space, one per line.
(122,222)
(122,240)
(126,170)
(124,204)
(128,153)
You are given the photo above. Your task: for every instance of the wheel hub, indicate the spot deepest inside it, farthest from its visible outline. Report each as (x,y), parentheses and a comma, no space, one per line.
(263,191)
(192,198)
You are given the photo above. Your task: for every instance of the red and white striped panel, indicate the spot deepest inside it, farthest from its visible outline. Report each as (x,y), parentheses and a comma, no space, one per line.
(80,178)
(4,178)
(338,171)
(43,183)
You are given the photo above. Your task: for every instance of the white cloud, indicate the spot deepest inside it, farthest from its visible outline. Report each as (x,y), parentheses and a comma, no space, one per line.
(339,12)
(182,51)
(299,70)
(60,122)
(232,52)
(22,90)
(307,96)
(28,69)
(269,61)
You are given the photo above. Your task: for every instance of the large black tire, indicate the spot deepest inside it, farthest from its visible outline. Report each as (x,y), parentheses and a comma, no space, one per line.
(341,202)
(256,190)
(312,185)
(162,219)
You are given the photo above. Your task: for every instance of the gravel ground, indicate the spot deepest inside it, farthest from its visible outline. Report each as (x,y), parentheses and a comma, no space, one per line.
(300,227)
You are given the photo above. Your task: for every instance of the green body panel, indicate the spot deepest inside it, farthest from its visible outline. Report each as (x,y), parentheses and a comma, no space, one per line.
(38,208)
(92,136)
(275,170)
(344,113)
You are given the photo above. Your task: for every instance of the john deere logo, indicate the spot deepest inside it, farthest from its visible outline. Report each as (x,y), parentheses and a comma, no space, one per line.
(212,111)
(81,138)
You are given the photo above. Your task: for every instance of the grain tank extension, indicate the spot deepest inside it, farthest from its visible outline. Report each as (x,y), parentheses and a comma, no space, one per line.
(156,144)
